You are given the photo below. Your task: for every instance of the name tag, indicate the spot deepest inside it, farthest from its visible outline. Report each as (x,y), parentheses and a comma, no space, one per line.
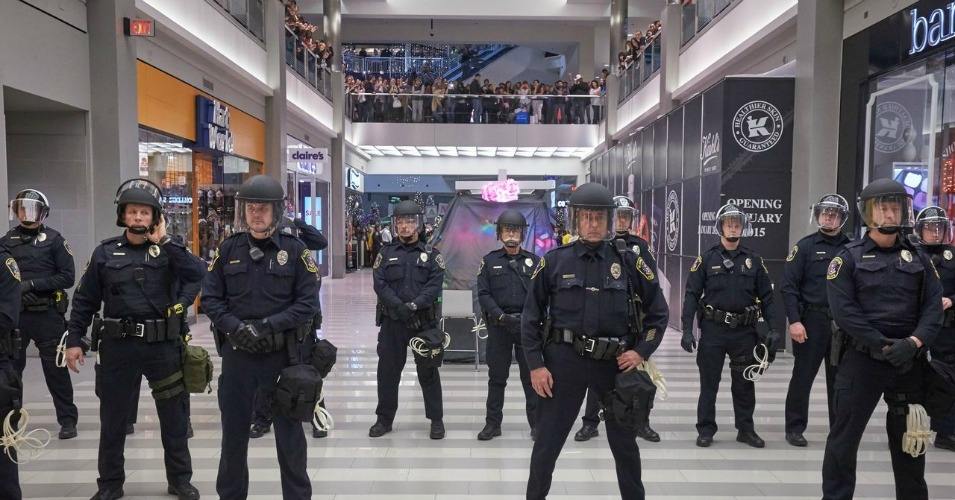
(868,256)
(119,253)
(392,259)
(568,276)
(234,261)
(497,267)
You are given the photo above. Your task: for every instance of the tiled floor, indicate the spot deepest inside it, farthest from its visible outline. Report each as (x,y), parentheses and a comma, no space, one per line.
(407,465)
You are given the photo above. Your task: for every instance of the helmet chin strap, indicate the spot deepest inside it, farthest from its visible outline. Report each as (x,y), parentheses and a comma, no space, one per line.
(732,239)
(140,230)
(511,243)
(889,230)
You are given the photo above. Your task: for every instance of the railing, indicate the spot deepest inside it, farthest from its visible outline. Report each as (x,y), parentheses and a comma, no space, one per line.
(641,69)
(249,13)
(397,66)
(699,15)
(475,109)
(308,65)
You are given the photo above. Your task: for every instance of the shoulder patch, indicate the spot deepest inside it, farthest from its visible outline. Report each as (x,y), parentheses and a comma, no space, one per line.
(540,266)
(934,268)
(309,262)
(13,268)
(439,260)
(212,264)
(696,263)
(66,246)
(377,261)
(645,269)
(481,267)
(834,267)
(792,254)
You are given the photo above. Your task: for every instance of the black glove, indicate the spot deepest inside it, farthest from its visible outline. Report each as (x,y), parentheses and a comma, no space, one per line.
(772,342)
(26,286)
(403,312)
(246,338)
(29,298)
(511,321)
(688,342)
(899,352)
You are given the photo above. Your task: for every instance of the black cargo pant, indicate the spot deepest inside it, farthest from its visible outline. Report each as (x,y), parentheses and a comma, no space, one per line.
(393,341)
(9,473)
(45,329)
(718,342)
(501,344)
(808,356)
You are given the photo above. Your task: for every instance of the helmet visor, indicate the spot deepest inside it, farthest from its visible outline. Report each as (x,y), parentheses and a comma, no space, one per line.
(509,233)
(623,218)
(829,215)
(408,225)
(733,225)
(142,184)
(934,231)
(257,216)
(27,211)
(887,211)
(592,224)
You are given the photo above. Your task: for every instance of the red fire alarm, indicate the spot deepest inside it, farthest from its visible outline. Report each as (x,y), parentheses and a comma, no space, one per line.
(139,27)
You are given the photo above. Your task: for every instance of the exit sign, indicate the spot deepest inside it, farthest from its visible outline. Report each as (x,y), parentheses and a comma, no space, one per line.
(139,27)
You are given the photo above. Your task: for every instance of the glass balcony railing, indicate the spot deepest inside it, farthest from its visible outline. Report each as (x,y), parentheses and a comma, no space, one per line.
(641,69)
(307,64)
(468,108)
(249,13)
(697,16)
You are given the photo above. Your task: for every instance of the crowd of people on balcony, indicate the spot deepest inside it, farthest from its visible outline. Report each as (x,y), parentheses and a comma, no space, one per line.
(304,33)
(637,45)
(416,100)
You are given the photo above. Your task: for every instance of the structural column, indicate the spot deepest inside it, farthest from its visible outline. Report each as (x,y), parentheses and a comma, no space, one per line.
(336,190)
(276,107)
(114,121)
(672,21)
(816,129)
(619,10)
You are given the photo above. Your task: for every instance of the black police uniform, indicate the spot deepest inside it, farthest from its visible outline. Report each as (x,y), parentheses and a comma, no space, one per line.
(640,247)
(279,287)
(804,295)
(502,284)
(406,273)
(943,256)
(46,263)
(585,292)
(315,241)
(11,389)
(135,284)
(722,294)
(878,293)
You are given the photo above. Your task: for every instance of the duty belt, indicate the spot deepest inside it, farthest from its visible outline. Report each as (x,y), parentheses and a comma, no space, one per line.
(150,330)
(600,348)
(56,299)
(729,318)
(821,308)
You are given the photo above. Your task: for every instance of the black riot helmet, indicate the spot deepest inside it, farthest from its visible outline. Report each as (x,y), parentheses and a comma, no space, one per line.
(511,218)
(34,205)
(589,202)
(933,227)
(730,212)
(251,202)
(885,205)
(138,192)
(408,211)
(829,206)
(625,212)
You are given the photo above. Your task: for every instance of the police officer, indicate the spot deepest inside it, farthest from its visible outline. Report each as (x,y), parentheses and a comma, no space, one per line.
(934,228)
(315,241)
(886,296)
(625,213)
(729,288)
(259,294)
(502,284)
(580,328)
(408,277)
(807,307)
(11,387)
(46,266)
(133,277)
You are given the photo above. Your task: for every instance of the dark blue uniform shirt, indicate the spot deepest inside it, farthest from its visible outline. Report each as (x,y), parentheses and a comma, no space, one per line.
(503,280)
(804,278)
(585,290)
(9,293)
(45,260)
(408,273)
(279,287)
(879,292)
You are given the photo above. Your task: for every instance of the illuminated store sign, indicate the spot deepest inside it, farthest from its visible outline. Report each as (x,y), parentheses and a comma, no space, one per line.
(931,30)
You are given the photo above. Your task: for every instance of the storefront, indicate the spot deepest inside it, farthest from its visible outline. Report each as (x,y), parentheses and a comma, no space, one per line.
(898,104)
(198,150)
(307,189)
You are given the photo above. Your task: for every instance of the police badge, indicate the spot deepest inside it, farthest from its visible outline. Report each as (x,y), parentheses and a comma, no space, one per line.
(749,263)
(424,257)
(41,237)
(947,254)
(154,251)
(906,255)
(615,270)
(636,250)
(528,262)
(282,257)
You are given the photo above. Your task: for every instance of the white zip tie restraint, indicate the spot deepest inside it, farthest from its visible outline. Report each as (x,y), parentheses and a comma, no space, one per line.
(418,345)
(754,372)
(61,351)
(26,444)
(917,431)
(478,327)
(322,419)
(656,376)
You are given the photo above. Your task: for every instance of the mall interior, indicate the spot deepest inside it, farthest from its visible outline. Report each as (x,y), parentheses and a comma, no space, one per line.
(466,108)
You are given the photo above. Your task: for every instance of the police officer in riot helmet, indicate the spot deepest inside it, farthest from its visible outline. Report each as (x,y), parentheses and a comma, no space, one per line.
(408,276)
(260,294)
(729,293)
(47,271)
(625,215)
(11,385)
(582,329)
(502,283)
(934,228)
(807,307)
(885,295)
(132,277)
